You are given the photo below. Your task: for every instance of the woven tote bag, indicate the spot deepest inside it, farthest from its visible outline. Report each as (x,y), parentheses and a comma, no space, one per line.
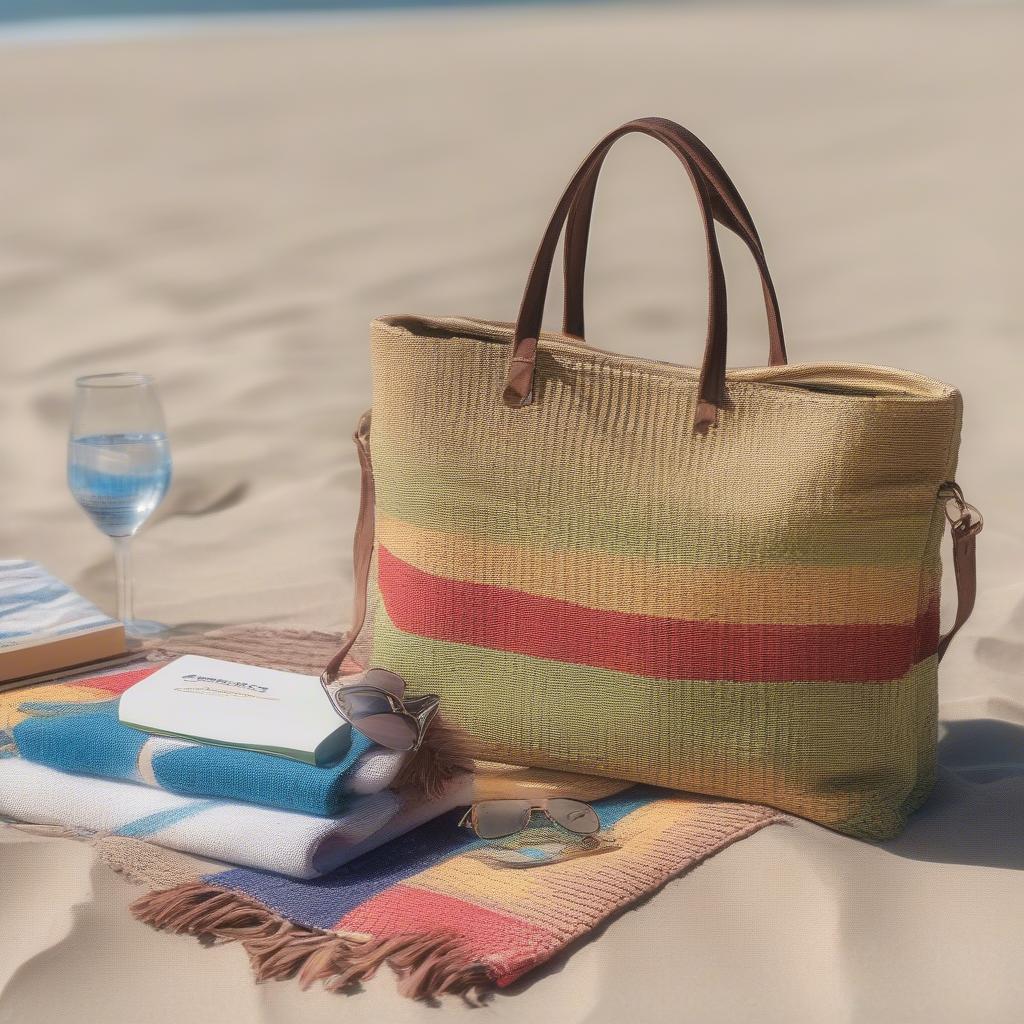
(723,582)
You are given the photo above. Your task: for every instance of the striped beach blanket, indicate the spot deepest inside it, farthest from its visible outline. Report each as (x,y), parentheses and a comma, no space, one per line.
(445,920)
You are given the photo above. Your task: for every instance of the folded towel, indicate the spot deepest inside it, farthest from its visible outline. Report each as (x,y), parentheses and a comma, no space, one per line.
(298,845)
(86,738)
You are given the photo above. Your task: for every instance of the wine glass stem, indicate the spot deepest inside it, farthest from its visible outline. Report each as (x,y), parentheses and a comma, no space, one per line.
(125,579)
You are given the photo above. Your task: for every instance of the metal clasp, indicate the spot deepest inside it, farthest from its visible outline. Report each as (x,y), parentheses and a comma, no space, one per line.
(964,518)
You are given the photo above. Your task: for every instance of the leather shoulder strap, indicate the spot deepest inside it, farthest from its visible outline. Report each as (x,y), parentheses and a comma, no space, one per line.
(362,546)
(965,523)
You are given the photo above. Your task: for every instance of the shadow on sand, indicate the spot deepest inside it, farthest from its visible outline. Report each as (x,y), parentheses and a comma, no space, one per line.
(975,814)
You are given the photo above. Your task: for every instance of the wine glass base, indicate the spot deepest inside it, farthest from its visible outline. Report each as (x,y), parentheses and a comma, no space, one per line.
(144,629)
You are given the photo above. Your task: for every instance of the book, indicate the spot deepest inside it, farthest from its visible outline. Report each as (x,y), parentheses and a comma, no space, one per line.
(226,704)
(48,629)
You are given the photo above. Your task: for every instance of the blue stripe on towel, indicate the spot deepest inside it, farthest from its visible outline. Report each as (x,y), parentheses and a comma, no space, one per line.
(142,828)
(260,778)
(89,739)
(356,882)
(84,739)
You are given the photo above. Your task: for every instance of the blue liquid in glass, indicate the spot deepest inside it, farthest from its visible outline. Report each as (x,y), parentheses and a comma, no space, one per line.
(119,478)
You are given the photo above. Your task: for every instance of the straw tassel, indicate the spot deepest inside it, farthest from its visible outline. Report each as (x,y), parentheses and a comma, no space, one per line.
(427,965)
(443,756)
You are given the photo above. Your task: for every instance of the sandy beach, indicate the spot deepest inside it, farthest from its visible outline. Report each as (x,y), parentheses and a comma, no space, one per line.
(226,209)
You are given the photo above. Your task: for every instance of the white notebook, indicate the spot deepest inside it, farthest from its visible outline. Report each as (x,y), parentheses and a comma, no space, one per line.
(221,702)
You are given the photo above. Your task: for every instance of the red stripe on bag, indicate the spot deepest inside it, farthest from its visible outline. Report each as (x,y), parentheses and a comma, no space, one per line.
(660,648)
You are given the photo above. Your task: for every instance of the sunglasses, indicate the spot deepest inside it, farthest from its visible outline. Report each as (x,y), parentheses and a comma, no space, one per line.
(497,819)
(374,703)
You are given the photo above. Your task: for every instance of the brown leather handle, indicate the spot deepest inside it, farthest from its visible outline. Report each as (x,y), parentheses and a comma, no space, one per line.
(728,208)
(523,355)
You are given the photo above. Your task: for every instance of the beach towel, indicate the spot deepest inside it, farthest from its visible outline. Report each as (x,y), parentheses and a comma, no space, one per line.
(59,723)
(443,919)
(83,736)
(299,845)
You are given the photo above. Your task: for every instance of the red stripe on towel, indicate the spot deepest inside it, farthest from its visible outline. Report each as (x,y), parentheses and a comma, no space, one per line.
(508,945)
(118,682)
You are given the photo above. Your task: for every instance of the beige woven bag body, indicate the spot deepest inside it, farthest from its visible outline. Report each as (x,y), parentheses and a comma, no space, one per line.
(724,582)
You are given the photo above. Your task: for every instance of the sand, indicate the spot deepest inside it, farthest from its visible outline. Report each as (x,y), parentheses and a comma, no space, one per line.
(228,209)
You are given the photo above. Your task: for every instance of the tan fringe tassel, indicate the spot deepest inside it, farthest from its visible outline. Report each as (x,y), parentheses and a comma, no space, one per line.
(443,756)
(427,966)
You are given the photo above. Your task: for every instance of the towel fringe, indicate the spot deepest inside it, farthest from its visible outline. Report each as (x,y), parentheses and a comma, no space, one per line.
(427,965)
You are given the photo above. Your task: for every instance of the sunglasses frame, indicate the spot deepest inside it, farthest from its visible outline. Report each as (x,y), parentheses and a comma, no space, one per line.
(418,710)
(469,819)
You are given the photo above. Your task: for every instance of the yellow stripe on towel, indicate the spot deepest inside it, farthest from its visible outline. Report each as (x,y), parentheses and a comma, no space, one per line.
(556,897)
(65,693)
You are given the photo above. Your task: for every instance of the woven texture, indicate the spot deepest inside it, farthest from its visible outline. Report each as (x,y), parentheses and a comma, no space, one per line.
(444,920)
(591,585)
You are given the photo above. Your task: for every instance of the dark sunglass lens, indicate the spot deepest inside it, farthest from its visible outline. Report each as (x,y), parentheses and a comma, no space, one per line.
(496,819)
(391,730)
(575,815)
(373,715)
(363,703)
(384,680)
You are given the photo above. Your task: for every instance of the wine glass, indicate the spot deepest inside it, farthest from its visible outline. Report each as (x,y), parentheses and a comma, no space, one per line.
(119,468)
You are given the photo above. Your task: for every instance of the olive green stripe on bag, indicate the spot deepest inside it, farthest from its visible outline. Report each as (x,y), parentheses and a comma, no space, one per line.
(445,457)
(613,524)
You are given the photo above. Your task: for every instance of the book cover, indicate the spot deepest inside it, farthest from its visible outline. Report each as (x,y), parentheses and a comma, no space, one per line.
(46,626)
(208,700)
